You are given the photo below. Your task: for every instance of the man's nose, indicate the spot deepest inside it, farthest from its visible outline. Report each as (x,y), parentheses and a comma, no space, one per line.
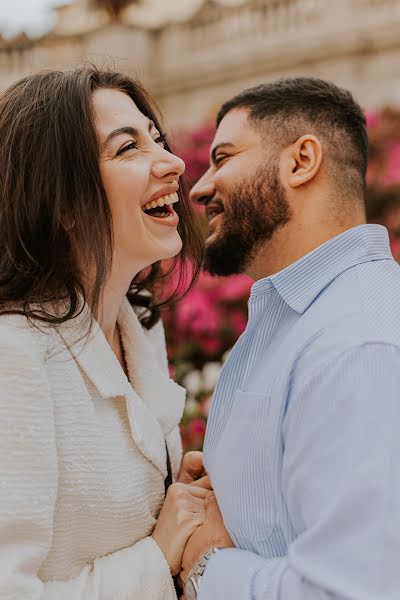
(204,189)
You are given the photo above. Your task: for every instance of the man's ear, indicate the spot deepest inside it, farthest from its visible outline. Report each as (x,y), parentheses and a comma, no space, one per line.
(301,161)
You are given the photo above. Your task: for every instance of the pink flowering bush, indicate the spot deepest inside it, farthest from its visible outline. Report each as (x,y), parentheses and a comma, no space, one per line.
(194,148)
(200,331)
(383,177)
(208,321)
(204,326)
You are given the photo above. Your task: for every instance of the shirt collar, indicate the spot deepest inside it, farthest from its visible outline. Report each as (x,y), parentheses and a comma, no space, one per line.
(301,282)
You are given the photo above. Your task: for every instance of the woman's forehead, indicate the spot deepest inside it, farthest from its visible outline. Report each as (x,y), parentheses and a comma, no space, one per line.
(114,109)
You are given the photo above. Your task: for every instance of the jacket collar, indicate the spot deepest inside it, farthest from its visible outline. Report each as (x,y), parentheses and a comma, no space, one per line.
(300,283)
(154,402)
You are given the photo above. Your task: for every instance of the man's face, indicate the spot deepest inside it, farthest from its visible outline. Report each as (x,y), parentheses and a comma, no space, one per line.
(244,198)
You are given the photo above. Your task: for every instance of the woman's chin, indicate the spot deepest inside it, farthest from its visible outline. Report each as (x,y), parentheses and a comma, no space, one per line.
(171,249)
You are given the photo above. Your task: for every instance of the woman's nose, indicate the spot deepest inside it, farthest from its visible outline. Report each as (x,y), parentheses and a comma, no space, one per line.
(168,164)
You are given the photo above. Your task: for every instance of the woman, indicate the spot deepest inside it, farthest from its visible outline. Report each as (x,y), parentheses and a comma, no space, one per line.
(90,203)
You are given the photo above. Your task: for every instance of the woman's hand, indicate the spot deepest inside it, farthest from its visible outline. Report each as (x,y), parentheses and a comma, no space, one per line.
(212,534)
(183,511)
(192,467)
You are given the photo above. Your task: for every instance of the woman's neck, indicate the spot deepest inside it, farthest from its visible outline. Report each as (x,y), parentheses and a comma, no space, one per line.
(110,302)
(109,307)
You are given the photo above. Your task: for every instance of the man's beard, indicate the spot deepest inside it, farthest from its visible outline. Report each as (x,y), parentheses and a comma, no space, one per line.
(252,213)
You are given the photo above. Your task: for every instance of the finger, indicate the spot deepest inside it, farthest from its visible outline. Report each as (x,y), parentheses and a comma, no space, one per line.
(212,503)
(192,466)
(183,576)
(198,501)
(193,521)
(189,477)
(193,461)
(196,509)
(210,497)
(203,482)
(213,510)
(197,490)
(185,477)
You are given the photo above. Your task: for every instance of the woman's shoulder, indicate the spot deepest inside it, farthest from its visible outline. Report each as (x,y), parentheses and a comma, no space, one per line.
(22,339)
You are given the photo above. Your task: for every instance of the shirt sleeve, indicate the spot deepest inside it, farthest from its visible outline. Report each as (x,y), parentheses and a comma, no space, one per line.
(340,485)
(28,492)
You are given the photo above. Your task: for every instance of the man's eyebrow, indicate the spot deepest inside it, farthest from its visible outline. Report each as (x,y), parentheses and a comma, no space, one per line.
(128,130)
(218,147)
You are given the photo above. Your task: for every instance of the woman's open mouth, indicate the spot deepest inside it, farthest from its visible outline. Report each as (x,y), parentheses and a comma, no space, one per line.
(162,208)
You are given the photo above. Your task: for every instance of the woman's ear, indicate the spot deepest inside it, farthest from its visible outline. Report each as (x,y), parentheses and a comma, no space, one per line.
(302,161)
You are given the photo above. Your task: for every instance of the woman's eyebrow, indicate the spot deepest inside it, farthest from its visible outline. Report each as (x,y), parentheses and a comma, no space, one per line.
(127,130)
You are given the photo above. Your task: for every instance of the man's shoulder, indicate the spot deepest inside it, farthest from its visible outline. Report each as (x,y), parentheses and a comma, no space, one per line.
(352,336)
(363,302)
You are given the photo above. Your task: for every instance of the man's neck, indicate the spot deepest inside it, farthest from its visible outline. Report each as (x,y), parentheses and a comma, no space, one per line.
(291,243)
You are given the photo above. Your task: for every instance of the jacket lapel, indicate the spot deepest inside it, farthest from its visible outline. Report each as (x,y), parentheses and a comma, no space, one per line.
(148,370)
(154,402)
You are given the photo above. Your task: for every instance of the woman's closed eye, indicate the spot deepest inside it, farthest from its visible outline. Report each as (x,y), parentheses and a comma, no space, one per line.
(131,146)
(161,139)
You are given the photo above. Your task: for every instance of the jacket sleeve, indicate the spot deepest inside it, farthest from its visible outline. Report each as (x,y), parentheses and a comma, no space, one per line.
(28,492)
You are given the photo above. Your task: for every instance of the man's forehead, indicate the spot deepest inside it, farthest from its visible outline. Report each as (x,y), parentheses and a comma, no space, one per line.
(235,128)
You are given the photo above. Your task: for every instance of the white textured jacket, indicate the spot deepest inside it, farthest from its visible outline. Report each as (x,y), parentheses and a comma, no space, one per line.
(83,461)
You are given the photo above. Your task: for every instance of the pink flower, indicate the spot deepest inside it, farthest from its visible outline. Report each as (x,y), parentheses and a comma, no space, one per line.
(395,248)
(193,434)
(211,346)
(194,148)
(197,314)
(236,287)
(197,426)
(239,321)
(392,173)
(205,406)
(372,118)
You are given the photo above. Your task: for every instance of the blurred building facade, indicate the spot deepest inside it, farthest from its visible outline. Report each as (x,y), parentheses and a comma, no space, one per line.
(193,54)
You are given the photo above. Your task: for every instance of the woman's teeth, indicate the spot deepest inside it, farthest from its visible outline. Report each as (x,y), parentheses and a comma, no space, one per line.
(163,201)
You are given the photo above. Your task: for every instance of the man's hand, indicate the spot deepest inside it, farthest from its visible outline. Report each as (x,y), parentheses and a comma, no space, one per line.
(192,467)
(212,534)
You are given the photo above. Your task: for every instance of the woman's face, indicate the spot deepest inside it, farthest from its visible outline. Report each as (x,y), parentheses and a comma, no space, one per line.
(140,178)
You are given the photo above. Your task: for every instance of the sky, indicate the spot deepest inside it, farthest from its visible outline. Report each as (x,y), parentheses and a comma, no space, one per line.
(32,16)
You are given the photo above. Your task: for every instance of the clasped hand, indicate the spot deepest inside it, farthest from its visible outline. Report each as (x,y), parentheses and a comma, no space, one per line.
(211,533)
(190,522)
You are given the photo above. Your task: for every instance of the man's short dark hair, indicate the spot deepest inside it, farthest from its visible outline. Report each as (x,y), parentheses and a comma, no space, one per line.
(292,107)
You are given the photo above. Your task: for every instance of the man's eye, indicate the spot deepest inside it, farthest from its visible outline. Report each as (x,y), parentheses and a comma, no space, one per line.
(220,158)
(130,146)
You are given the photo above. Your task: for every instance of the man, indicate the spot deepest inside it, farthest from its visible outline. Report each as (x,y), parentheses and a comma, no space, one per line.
(303,440)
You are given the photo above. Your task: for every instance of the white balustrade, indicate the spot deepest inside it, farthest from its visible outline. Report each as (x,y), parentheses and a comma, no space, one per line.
(218,35)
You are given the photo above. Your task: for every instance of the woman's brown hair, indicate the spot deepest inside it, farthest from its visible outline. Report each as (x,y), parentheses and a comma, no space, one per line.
(49,178)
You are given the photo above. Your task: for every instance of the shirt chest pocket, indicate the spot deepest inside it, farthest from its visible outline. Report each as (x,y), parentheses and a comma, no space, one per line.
(242,471)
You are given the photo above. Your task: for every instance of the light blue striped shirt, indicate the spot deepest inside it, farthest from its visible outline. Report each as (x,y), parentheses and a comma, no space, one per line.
(303,438)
